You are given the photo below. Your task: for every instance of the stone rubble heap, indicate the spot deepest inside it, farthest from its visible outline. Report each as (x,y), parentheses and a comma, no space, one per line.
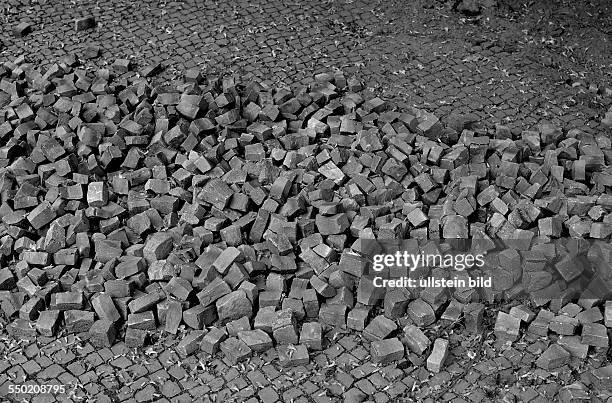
(237,210)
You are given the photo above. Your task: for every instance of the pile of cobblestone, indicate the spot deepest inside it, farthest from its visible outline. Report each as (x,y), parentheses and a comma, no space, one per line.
(240,211)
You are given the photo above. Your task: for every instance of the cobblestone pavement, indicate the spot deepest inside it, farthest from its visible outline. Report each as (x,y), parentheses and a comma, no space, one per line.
(477,370)
(517,67)
(547,61)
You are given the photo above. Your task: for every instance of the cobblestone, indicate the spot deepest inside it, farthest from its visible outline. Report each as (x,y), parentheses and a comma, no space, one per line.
(400,50)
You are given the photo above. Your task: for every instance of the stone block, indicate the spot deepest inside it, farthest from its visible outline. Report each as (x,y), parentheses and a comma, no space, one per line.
(386,351)
(438,355)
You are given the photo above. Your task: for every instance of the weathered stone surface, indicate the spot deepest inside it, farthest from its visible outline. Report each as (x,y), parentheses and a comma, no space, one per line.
(438,355)
(379,328)
(292,355)
(554,357)
(284,328)
(105,308)
(190,343)
(507,327)
(311,335)
(212,340)
(421,312)
(257,340)
(235,350)
(602,378)
(102,333)
(234,305)
(157,247)
(387,351)
(415,339)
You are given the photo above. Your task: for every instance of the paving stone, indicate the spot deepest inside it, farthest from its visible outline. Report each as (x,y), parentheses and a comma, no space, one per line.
(22,29)
(601,377)
(78,321)
(562,324)
(540,325)
(143,320)
(574,346)
(212,340)
(190,344)
(235,350)
(290,355)
(474,317)
(102,333)
(234,306)
(105,308)
(438,355)
(145,302)
(387,351)
(522,312)
(48,322)
(591,315)
(379,328)
(421,313)
(238,325)
(311,335)
(157,247)
(257,340)
(554,357)
(284,328)
(415,339)
(507,327)
(595,334)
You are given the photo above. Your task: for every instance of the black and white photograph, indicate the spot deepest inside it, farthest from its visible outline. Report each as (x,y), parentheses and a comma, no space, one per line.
(306,201)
